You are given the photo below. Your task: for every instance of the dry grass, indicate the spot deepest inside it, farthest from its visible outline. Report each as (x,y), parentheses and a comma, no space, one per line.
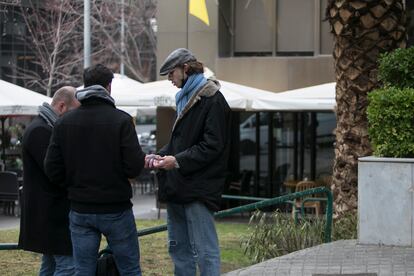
(154,255)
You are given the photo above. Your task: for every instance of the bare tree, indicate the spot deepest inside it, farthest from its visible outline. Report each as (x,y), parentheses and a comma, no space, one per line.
(139,40)
(55,39)
(10,2)
(55,35)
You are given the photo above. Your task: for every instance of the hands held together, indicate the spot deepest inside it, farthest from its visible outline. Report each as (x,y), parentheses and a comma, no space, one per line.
(153,161)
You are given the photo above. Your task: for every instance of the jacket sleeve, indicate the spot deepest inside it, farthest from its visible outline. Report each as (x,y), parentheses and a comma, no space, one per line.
(212,144)
(54,163)
(165,150)
(132,155)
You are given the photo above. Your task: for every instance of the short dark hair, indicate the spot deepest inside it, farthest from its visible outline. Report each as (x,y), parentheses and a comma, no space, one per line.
(97,75)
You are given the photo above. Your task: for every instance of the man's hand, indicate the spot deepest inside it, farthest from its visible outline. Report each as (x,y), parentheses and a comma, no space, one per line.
(149,160)
(167,162)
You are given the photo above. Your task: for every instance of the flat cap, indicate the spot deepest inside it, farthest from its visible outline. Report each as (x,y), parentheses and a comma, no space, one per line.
(177,57)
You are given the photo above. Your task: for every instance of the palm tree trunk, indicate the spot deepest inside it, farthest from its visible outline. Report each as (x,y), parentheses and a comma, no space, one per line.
(363,29)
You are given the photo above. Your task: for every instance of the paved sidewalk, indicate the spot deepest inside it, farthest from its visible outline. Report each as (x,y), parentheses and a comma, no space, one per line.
(144,208)
(340,257)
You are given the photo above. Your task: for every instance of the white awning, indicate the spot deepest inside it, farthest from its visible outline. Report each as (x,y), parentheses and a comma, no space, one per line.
(131,95)
(16,100)
(318,98)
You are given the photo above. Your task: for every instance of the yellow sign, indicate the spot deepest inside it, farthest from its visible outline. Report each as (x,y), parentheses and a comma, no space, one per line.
(198,8)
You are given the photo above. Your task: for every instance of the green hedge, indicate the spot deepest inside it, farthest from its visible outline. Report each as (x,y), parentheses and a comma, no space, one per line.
(396,68)
(391,122)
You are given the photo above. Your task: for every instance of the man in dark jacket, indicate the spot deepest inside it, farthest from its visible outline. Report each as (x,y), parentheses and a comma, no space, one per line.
(193,166)
(44,224)
(93,151)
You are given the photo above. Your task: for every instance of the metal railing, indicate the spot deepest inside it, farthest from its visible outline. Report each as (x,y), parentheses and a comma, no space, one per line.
(260,203)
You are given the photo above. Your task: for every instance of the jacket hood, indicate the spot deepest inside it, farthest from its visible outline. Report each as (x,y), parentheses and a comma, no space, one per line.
(94,91)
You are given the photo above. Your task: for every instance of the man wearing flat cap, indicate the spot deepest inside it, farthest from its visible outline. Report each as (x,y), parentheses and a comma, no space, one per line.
(193,166)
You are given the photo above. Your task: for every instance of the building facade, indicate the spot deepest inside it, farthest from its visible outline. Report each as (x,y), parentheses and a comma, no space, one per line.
(269,44)
(276,45)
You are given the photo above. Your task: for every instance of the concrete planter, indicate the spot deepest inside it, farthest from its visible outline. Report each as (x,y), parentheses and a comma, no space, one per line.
(385,201)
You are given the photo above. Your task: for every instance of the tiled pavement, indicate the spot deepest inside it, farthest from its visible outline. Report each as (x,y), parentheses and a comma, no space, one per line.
(340,257)
(144,208)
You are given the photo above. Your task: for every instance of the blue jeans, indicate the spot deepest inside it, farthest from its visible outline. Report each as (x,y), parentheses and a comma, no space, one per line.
(192,239)
(121,233)
(57,265)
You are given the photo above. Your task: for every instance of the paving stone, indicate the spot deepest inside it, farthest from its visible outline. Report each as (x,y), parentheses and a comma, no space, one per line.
(346,257)
(352,274)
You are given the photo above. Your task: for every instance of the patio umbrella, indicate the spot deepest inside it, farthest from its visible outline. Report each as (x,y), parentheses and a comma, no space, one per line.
(17,101)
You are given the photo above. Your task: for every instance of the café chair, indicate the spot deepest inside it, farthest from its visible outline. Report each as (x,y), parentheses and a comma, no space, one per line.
(314,204)
(9,191)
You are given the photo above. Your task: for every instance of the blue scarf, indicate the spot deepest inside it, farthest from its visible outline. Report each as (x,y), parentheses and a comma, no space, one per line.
(194,82)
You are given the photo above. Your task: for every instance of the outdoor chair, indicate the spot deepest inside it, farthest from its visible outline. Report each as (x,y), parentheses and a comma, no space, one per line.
(9,191)
(242,187)
(314,204)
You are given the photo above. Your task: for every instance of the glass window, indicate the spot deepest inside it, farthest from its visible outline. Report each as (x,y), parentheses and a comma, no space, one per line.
(247,140)
(284,137)
(295,33)
(326,38)
(325,139)
(254,27)
(269,27)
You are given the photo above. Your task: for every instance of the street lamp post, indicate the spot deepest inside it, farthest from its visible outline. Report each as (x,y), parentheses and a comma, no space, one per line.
(122,38)
(87,34)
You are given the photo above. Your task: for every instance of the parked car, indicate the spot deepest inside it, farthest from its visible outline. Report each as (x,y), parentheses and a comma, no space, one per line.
(325,125)
(148,141)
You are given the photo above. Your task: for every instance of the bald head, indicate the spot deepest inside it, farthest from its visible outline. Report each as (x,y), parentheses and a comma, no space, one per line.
(64,100)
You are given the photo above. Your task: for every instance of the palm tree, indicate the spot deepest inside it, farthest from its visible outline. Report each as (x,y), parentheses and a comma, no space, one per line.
(363,29)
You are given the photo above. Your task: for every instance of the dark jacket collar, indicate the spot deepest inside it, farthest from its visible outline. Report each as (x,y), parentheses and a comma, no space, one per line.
(208,90)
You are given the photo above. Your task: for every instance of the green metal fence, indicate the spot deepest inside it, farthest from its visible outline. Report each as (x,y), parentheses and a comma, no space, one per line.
(260,203)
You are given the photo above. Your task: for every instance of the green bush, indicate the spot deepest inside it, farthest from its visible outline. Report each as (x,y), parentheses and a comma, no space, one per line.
(345,228)
(396,68)
(391,122)
(275,234)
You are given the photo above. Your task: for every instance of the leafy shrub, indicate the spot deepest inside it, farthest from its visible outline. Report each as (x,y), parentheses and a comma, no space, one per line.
(276,234)
(345,228)
(396,68)
(391,122)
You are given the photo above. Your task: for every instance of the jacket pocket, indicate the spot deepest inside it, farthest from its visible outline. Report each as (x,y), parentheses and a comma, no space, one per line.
(175,187)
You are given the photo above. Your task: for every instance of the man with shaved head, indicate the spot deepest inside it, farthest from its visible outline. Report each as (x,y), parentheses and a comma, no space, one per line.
(44,223)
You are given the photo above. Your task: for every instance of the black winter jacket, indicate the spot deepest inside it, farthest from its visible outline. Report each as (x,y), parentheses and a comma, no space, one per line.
(44,222)
(200,143)
(93,151)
